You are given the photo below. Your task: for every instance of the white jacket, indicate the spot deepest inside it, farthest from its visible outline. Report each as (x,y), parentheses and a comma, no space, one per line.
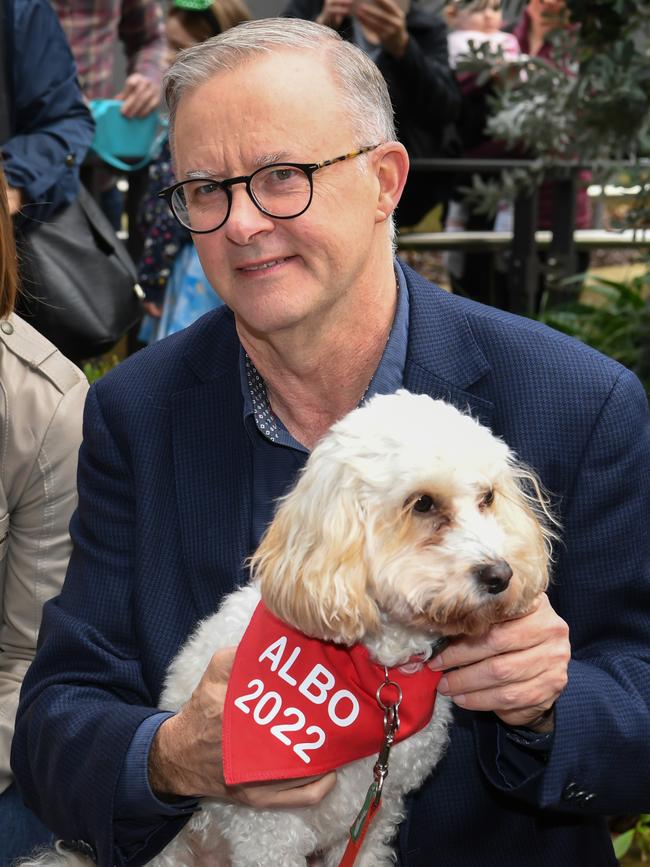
(41,403)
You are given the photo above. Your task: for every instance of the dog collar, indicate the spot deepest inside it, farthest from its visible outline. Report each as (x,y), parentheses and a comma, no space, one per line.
(298,707)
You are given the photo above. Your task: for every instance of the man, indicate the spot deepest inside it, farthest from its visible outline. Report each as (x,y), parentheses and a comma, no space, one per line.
(188,443)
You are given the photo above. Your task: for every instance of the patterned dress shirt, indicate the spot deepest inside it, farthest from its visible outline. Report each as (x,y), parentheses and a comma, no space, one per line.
(94,27)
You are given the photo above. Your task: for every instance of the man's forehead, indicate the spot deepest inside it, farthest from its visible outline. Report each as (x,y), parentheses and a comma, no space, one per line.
(275,75)
(272,111)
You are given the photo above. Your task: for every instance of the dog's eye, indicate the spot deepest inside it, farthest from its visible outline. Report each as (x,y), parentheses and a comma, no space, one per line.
(487,499)
(423,504)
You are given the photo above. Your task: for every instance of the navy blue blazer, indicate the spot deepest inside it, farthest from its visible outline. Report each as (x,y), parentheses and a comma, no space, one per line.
(164,525)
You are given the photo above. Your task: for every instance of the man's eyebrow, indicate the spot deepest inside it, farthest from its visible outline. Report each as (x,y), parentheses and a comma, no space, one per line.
(200,173)
(269,159)
(258,163)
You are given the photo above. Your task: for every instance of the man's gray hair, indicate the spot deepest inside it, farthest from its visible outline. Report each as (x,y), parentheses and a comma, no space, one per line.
(364,95)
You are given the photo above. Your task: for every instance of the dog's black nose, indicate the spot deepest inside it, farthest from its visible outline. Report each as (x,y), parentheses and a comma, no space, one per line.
(494,577)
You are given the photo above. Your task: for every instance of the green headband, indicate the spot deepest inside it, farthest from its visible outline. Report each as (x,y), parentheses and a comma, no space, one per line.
(195,5)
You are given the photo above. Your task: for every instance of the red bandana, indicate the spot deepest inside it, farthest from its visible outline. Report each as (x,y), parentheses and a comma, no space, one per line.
(297,707)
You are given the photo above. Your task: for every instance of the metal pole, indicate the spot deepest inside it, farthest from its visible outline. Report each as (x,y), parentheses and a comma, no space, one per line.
(562,258)
(524,270)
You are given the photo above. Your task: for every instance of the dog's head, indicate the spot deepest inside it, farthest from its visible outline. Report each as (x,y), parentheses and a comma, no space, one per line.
(410,510)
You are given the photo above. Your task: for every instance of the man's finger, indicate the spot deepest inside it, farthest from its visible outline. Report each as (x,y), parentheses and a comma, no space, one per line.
(296,794)
(518,633)
(222,662)
(524,665)
(528,699)
(461,652)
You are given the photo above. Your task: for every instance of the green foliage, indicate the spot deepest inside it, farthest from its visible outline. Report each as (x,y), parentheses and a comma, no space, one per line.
(638,836)
(638,214)
(616,321)
(97,367)
(589,106)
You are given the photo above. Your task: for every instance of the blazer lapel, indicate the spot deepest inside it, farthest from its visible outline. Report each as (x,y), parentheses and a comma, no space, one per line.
(213,471)
(443,358)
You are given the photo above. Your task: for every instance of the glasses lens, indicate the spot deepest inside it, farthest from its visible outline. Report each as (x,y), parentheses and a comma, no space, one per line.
(282,191)
(200,205)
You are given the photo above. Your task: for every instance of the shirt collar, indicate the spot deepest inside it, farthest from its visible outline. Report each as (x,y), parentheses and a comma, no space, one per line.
(387,378)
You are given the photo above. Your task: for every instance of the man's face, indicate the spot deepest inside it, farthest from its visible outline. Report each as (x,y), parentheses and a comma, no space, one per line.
(280,274)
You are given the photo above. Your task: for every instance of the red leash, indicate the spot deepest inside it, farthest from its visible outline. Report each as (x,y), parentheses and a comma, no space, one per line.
(380,771)
(360,826)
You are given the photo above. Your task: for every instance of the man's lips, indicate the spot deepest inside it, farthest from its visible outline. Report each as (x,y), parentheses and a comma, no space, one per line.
(264,265)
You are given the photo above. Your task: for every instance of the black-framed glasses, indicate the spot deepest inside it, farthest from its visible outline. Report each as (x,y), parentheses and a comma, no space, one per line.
(280,190)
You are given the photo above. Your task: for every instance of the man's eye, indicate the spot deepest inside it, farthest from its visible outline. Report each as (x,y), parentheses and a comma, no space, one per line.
(206,189)
(282,175)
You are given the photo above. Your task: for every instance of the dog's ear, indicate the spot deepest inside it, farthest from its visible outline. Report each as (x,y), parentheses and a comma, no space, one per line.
(525,514)
(311,562)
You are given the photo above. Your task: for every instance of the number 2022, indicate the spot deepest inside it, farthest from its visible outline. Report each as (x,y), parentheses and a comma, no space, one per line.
(267,708)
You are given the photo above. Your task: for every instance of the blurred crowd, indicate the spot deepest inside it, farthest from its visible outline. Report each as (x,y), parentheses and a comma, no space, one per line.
(440,111)
(58,65)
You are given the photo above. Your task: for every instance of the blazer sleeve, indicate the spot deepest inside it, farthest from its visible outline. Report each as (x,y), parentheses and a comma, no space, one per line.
(599,761)
(52,127)
(41,500)
(85,694)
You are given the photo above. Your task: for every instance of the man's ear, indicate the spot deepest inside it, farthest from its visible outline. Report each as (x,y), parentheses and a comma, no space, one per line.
(392,166)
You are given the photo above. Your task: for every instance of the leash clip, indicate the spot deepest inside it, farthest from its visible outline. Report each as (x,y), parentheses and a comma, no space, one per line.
(370,806)
(391,725)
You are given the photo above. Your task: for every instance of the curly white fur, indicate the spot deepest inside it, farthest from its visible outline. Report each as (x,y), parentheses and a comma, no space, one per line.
(404,526)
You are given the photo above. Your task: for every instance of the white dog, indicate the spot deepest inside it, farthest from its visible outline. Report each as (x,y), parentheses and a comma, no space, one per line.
(410,522)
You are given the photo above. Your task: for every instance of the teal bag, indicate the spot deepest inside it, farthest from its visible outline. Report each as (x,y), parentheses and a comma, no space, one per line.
(118,138)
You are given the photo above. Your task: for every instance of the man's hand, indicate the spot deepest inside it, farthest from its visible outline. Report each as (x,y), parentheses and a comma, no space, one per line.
(388,23)
(140,96)
(334,11)
(517,670)
(186,753)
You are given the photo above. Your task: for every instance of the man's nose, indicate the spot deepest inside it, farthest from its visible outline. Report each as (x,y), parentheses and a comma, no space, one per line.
(245,219)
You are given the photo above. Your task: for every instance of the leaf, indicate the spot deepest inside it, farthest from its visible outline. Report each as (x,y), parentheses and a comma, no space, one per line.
(623,842)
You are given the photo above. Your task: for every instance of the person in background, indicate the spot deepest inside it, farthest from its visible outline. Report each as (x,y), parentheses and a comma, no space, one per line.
(45,126)
(538,20)
(289,173)
(408,42)
(477,23)
(40,430)
(95,29)
(168,256)
(477,277)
